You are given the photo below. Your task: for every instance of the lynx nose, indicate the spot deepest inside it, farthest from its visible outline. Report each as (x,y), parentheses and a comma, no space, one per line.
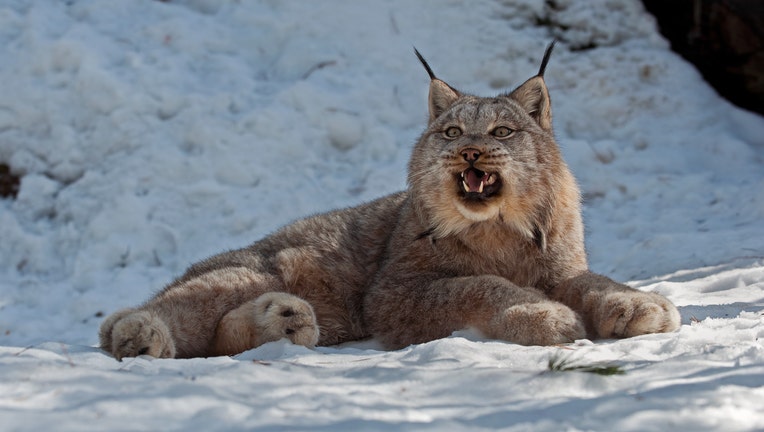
(470,154)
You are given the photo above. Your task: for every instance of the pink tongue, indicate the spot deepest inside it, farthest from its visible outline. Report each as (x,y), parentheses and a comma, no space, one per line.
(473,180)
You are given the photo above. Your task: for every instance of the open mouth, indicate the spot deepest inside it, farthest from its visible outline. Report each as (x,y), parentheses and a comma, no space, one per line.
(478,185)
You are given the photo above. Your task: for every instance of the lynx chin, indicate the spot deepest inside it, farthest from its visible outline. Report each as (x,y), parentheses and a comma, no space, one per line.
(488,235)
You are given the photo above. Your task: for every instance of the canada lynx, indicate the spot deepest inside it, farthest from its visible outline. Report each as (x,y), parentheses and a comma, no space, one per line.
(488,236)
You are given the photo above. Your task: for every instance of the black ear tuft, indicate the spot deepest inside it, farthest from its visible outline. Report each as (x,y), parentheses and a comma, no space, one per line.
(442,95)
(545,59)
(424,63)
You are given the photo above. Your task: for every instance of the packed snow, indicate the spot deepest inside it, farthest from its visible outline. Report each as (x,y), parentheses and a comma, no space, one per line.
(149,135)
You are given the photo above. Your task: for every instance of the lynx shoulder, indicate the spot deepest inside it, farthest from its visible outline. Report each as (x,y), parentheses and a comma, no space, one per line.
(488,235)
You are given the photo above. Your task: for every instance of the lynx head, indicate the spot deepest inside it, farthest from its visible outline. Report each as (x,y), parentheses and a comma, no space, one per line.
(489,160)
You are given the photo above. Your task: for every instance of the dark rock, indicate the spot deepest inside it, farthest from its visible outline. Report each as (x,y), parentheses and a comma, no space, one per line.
(724,39)
(9,183)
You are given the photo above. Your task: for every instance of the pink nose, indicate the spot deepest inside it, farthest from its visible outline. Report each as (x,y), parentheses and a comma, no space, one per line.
(470,154)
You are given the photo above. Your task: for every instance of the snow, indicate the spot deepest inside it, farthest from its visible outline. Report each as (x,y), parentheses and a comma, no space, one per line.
(153,134)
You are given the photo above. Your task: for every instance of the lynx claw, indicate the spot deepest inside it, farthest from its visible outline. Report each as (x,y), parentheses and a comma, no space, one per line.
(132,333)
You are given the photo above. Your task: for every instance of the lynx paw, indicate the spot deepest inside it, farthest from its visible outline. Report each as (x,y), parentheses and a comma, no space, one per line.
(545,323)
(280,315)
(633,313)
(131,333)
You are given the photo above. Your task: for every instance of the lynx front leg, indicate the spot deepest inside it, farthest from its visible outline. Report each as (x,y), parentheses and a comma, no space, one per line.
(270,317)
(400,313)
(612,310)
(181,320)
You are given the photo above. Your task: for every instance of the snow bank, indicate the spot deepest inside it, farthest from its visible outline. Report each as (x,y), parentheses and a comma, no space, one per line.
(151,134)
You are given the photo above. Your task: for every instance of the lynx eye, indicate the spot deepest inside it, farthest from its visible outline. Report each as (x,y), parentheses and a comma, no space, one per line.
(453,132)
(502,132)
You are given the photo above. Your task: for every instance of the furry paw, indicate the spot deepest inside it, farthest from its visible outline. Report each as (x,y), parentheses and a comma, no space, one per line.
(280,315)
(131,333)
(544,323)
(633,313)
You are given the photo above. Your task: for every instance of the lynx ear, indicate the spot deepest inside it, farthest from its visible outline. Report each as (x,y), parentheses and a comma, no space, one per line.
(533,96)
(442,95)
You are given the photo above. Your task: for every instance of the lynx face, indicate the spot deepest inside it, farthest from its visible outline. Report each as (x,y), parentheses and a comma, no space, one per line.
(486,159)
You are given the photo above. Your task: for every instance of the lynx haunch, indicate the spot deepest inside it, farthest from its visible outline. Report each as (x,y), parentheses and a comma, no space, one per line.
(488,235)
